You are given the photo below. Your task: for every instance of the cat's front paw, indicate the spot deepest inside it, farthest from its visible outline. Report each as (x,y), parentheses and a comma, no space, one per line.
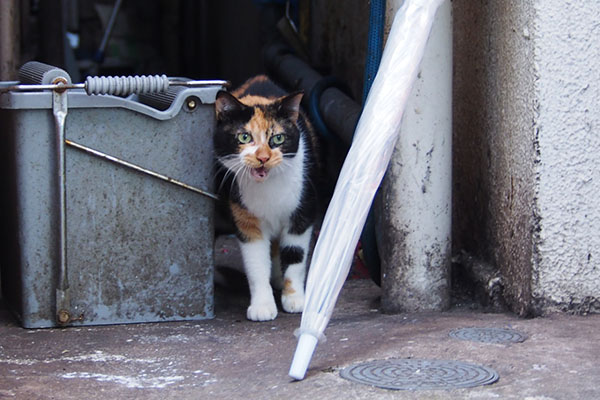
(292,303)
(262,312)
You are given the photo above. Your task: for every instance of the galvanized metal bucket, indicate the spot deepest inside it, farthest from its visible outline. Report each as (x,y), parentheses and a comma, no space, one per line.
(138,249)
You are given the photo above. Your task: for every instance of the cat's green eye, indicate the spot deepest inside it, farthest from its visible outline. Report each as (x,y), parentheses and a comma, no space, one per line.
(244,138)
(278,139)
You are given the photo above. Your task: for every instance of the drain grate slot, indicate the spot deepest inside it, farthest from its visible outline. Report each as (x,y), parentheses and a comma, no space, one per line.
(414,374)
(489,335)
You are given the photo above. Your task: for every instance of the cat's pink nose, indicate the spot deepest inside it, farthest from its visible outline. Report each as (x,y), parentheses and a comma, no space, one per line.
(263,155)
(263,158)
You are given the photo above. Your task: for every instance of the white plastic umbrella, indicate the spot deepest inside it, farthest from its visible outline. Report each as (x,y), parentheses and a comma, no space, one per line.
(362,172)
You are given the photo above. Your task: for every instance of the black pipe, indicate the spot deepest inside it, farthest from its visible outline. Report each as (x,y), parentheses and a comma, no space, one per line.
(339,111)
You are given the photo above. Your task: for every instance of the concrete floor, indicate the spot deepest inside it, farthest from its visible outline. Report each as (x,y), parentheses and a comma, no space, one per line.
(231,358)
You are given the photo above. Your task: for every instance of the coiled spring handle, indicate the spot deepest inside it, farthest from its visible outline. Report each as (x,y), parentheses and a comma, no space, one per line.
(126,85)
(119,85)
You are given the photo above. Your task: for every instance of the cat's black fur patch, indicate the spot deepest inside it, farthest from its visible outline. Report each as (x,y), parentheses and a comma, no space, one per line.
(305,215)
(233,111)
(291,255)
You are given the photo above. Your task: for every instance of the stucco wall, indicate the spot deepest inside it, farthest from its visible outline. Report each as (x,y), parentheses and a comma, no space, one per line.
(567,87)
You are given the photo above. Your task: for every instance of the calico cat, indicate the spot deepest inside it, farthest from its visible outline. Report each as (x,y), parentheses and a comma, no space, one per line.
(266,152)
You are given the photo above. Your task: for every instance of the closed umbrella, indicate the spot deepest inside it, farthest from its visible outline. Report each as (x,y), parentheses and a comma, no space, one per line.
(362,172)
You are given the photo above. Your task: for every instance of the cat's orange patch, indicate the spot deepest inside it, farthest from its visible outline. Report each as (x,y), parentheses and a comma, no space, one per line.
(287,288)
(247,223)
(251,100)
(252,81)
(258,124)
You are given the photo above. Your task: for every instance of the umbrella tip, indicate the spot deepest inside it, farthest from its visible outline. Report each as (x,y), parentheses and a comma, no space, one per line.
(304,351)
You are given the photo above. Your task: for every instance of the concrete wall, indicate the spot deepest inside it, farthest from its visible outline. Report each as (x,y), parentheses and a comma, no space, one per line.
(413,208)
(526,115)
(526,111)
(494,140)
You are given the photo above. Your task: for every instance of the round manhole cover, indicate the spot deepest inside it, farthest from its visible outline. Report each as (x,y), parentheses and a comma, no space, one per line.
(489,335)
(412,374)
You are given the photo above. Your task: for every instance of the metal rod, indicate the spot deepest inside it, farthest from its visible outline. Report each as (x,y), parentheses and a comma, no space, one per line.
(25,88)
(109,27)
(60,109)
(213,82)
(140,169)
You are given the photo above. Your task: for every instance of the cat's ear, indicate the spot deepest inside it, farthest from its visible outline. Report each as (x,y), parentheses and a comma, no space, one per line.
(289,106)
(226,103)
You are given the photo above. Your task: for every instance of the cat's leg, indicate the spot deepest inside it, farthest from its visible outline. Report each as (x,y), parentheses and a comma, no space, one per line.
(257,263)
(276,274)
(293,254)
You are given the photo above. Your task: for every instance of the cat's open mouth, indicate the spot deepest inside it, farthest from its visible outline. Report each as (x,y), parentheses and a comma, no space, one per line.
(259,174)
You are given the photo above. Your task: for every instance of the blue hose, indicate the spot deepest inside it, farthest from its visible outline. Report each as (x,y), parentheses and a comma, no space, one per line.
(374,53)
(374,44)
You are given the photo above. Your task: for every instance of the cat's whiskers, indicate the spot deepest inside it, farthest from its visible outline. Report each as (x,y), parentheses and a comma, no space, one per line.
(225,164)
(236,170)
(233,173)
(228,159)
(239,174)
(221,174)
(287,159)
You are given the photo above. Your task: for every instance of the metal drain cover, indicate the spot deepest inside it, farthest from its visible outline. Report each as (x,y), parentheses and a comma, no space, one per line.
(412,374)
(489,335)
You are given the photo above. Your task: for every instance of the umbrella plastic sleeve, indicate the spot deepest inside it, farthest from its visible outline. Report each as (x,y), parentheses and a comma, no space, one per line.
(362,172)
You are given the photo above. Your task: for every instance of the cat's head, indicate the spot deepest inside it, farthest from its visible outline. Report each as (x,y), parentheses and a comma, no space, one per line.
(256,135)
